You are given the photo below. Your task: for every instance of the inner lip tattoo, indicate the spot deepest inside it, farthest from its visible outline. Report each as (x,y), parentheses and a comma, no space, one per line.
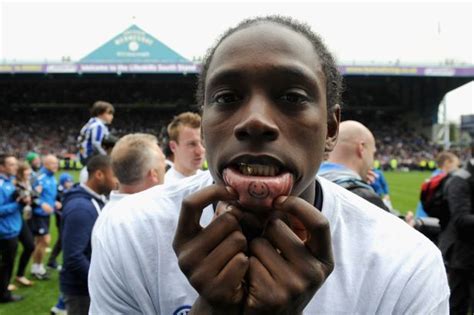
(258,190)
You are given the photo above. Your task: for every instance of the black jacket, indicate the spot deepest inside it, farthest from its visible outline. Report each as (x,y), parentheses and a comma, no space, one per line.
(365,191)
(456,242)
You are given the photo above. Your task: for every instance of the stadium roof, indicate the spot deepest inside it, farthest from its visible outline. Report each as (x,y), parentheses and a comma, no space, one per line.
(134,45)
(136,51)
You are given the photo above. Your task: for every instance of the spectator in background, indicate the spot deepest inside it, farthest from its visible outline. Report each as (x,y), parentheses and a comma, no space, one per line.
(456,241)
(351,160)
(10,224)
(139,164)
(168,155)
(378,182)
(185,142)
(95,130)
(46,185)
(447,162)
(66,181)
(25,189)
(82,206)
(107,144)
(34,160)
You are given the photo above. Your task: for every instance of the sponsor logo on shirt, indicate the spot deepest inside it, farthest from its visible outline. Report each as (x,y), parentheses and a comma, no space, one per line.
(182,310)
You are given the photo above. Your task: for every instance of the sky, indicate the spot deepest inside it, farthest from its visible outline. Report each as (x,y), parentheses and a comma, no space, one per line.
(378,32)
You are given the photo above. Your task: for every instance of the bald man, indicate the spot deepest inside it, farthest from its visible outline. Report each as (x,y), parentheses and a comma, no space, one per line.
(138,164)
(47,186)
(350,161)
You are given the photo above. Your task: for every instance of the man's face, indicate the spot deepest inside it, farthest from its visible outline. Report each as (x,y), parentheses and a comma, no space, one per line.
(68,185)
(265,104)
(10,167)
(107,116)
(159,165)
(452,164)
(108,181)
(51,164)
(188,150)
(368,156)
(36,163)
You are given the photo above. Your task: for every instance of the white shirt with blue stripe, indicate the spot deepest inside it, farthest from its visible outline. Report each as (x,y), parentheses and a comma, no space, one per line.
(91,136)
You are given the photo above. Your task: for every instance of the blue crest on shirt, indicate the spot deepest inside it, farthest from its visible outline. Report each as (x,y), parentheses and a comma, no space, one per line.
(182,310)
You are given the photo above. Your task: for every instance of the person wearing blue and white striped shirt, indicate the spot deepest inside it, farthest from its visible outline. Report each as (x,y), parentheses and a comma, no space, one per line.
(95,131)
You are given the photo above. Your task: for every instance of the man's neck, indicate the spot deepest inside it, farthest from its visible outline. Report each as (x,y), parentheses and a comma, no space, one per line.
(183,171)
(309,194)
(92,186)
(353,166)
(133,189)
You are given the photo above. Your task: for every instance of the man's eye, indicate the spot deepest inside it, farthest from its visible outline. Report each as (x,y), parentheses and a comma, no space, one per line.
(226,98)
(294,98)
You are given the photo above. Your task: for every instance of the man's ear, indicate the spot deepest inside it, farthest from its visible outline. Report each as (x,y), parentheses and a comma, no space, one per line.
(172,144)
(334,118)
(153,174)
(99,174)
(360,149)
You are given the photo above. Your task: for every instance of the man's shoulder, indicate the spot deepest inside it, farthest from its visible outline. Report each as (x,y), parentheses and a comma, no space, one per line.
(156,205)
(173,191)
(358,221)
(78,198)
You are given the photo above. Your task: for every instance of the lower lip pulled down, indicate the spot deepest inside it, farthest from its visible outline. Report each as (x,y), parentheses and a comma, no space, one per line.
(258,192)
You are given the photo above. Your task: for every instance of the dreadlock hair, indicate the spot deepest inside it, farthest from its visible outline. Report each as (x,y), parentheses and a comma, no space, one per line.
(334,85)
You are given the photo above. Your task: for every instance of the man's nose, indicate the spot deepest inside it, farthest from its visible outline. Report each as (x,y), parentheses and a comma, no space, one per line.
(200,149)
(257,123)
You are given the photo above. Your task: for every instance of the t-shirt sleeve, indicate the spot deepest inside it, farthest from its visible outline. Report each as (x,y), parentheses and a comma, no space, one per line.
(426,291)
(123,277)
(106,287)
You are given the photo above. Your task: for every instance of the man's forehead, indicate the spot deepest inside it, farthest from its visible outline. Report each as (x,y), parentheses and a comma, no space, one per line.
(270,39)
(187,131)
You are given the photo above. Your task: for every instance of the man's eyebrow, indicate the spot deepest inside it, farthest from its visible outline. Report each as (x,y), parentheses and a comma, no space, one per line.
(225,75)
(292,71)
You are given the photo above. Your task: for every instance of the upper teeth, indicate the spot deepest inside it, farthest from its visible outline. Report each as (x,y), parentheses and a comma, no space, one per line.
(258,169)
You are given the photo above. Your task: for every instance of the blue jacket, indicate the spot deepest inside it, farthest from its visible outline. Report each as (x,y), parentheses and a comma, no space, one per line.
(49,183)
(80,211)
(380,184)
(10,215)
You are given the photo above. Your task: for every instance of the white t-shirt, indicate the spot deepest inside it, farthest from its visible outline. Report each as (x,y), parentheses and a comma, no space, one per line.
(83,175)
(383,266)
(172,175)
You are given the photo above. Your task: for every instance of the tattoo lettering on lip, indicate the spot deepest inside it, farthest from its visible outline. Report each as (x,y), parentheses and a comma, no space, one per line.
(258,190)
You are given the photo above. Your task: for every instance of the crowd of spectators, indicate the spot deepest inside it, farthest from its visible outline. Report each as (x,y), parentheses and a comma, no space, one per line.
(55,131)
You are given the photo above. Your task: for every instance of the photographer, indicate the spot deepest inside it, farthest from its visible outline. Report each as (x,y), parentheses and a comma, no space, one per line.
(24,191)
(10,225)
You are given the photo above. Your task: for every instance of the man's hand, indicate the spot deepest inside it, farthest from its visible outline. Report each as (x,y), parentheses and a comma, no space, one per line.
(47,208)
(285,272)
(58,205)
(371,177)
(212,258)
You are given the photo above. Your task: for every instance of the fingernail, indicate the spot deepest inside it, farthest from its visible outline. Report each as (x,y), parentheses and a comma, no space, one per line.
(231,190)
